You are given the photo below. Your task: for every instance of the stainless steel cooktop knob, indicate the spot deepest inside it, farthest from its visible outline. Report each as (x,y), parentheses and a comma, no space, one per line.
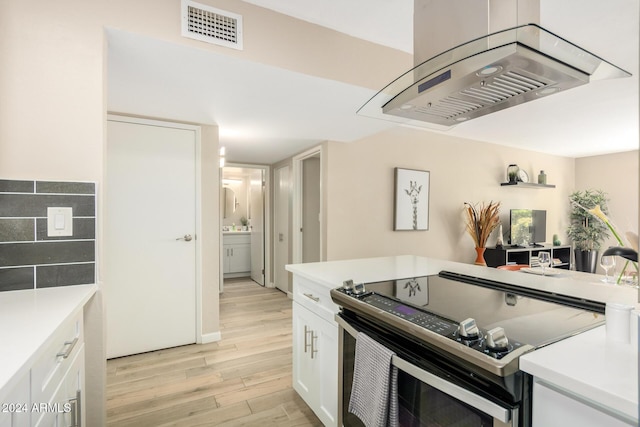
(468,329)
(358,289)
(497,340)
(347,286)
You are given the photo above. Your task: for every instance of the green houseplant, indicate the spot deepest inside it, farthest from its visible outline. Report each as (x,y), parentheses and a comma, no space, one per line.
(586,232)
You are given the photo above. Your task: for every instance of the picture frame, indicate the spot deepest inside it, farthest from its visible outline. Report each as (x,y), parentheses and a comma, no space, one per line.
(411,208)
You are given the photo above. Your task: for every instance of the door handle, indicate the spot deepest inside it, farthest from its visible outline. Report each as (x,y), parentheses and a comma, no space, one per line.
(186,238)
(307,331)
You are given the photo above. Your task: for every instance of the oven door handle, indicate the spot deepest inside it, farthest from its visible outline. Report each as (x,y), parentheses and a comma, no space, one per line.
(496,411)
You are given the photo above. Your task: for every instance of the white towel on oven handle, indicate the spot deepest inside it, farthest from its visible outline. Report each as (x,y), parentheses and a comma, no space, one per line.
(374,393)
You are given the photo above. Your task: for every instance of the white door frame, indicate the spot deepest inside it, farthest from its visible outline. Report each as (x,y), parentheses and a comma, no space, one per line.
(198,203)
(297,203)
(277,194)
(267,221)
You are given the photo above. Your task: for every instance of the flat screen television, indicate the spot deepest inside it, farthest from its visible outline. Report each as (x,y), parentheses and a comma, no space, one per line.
(528,227)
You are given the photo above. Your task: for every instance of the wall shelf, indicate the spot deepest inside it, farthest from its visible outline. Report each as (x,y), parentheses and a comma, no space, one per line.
(527,184)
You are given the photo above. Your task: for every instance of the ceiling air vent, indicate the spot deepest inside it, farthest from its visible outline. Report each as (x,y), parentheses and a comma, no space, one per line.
(211,25)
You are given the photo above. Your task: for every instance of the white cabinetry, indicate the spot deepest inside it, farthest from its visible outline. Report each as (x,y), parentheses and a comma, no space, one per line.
(315,349)
(50,392)
(57,378)
(15,411)
(236,256)
(553,407)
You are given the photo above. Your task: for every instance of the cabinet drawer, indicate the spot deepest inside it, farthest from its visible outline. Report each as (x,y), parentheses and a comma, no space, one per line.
(314,297)
(56,358)
(236,239)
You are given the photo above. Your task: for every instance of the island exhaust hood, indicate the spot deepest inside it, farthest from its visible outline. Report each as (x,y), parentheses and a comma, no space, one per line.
(487,74)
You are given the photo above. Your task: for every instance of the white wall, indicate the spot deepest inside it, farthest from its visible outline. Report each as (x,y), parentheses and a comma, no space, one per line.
(617,175)
(360,192)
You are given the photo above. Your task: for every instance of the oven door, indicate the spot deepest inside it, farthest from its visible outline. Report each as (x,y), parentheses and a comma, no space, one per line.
(424,399)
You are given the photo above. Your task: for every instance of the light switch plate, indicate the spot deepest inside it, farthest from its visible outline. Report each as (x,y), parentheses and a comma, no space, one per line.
(59,222)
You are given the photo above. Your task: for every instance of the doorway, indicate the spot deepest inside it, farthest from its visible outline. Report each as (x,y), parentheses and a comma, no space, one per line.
(244,213)
(308,207)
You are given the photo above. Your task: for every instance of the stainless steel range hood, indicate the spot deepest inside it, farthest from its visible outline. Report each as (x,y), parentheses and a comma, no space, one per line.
(487,74)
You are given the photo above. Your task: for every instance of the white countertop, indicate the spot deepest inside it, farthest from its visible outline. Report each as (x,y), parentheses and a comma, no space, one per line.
(582,364)
(28,318)
(604,374)
(572,283)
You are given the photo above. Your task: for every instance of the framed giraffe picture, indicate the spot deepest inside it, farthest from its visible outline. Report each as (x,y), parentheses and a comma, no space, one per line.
(411,209)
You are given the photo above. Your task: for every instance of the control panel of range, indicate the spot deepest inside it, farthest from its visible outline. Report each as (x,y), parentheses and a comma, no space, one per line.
(493,342)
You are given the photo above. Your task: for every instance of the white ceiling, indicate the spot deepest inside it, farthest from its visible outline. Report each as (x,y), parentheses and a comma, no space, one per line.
(266,114)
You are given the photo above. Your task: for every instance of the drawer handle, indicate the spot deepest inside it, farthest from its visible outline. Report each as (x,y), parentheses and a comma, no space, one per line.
(310,296)
(67,353)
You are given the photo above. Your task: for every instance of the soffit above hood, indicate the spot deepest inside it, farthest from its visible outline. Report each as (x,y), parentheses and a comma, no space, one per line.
(485,75)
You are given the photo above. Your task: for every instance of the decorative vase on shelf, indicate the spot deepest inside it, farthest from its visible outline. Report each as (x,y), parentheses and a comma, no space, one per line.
(480,257)
(542,178)
(512,173)
(556,240)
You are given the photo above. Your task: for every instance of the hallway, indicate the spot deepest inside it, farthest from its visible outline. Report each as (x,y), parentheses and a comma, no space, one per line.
(242,380)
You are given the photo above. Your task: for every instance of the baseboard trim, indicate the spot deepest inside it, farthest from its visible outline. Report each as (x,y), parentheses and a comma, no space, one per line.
(209,338)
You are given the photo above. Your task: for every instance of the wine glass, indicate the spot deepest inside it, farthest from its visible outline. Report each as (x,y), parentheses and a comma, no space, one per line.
(544,259)
(607,262)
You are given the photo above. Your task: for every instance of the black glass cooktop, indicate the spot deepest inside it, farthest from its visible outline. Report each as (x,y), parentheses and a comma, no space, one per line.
(524,318)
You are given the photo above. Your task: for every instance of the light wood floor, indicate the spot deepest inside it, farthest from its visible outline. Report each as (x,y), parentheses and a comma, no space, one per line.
(242,380)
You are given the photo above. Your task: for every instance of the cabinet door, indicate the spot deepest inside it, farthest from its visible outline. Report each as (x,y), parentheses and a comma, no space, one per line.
(240,259)
(325,342)
(226,259)
(16,408)
(552,408)
(66,406)
(315,363)
(72,400)
(305,376)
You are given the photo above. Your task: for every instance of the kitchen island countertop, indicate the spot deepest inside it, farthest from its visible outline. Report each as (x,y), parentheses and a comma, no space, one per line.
(571,283)
(583,365)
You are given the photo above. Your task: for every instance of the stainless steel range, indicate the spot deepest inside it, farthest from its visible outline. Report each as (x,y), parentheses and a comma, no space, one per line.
(457,341)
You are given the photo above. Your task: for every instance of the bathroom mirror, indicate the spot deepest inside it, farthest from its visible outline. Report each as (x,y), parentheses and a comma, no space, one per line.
(230,202)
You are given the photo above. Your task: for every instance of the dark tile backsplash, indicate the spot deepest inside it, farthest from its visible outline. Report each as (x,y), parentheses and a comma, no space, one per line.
(35,205)
(31,259)
(9,186)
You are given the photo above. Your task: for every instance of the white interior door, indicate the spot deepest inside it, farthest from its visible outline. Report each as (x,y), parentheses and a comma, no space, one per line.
(281,227)
(150,265)
(256,190)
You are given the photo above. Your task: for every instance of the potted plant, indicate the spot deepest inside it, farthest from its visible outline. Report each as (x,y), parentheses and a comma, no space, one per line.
(586,232)
(245,223)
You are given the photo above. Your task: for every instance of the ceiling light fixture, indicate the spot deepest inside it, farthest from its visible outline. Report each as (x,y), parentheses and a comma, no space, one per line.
(489,70)
(547,91)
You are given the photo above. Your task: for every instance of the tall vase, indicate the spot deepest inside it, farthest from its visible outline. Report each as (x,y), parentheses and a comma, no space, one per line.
(480,257)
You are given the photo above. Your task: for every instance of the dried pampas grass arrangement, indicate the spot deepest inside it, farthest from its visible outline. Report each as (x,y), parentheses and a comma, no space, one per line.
(482,221)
